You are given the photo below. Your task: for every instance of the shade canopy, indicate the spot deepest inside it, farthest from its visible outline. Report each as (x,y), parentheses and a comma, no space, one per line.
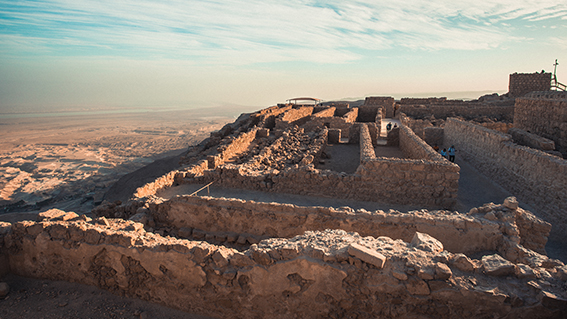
(311,99)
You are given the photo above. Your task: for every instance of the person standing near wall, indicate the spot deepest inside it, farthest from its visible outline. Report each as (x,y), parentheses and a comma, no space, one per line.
(451,152)
(444,153)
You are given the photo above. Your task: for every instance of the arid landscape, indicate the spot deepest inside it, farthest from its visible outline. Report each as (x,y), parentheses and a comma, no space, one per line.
(70,162)
(319,209)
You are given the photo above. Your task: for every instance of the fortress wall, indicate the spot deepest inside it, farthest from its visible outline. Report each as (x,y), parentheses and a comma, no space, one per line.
(544,114)
(497,126)
(268,116)
(324,112)
(467,111)
(415,148)
(459,233)
(317,274)
(535,177)
(342,123)
(366,148)
(522,83)
(434,136)
(386,102)
(235,146)
(295,116)
(420,181)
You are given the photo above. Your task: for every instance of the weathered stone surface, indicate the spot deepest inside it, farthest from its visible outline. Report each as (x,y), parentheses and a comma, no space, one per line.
(56,214)
(524,271)
(417,286)
(184,232)
(511,203)
(495,265)
(276,280)
(442,271)
(4,290)
(463,263)
(553,301)
(426,242)
(367,255)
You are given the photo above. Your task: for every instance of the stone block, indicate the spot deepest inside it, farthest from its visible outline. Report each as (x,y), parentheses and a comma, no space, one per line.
(495,265)
(426,242)
(511,203)
(442,271)
(56,214)
(463,263)
(367,255)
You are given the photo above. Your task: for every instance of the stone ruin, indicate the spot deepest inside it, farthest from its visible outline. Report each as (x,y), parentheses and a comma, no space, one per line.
(236,258)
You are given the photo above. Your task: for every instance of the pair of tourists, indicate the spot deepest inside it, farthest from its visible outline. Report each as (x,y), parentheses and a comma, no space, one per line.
(450,153)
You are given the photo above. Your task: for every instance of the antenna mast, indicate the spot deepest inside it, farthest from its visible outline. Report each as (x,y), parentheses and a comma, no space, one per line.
(554,84)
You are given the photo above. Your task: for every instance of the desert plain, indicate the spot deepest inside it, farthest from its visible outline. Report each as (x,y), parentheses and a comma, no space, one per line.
(70,161)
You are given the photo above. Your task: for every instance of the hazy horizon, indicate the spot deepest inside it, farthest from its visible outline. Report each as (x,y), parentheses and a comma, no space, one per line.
(85,55)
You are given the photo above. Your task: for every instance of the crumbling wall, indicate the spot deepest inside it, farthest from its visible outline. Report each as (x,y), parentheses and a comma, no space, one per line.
(317,274)
(295,116)
(342,120)
(386,102)
(233,148)
(459,233)
(535,177)
(544,114)
(522,83)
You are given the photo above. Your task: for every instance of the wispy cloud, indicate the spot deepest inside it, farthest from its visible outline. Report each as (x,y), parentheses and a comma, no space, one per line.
(241,32)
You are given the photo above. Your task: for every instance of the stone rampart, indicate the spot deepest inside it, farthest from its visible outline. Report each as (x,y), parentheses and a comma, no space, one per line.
(544,114)
(522,83)
(328,273)
(535,177)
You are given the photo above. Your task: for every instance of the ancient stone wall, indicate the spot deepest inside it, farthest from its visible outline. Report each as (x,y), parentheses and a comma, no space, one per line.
(295,116)
(535,177)
(337,120)
(522,137)
(328,273)
(414,147)
(466,110)
(324,111)
(434,136)
(366,147)
(386,102)
(544,114)
(459,233)
(522,83)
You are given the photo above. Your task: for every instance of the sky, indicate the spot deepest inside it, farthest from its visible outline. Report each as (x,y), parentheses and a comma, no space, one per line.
(87,55)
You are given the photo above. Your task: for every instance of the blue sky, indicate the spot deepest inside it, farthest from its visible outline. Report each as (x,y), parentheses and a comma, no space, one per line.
(104,54)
